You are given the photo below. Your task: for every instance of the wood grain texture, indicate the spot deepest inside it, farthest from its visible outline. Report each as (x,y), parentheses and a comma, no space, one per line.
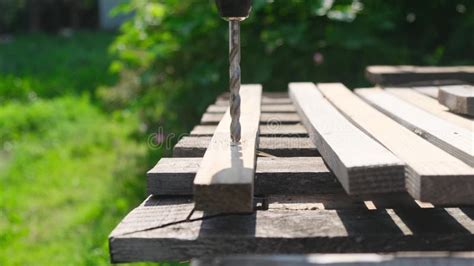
(275,146)
(459,99)
(360,164)
(224,181)
(165,229)
(432,174)
(265,101)
(431,105)
(266,118)
(291,130)
(273,176)
(455,140)
(395,75)
(283,108)
(368,259)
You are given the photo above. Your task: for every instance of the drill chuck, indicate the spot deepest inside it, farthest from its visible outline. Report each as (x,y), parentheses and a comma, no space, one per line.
(234,9)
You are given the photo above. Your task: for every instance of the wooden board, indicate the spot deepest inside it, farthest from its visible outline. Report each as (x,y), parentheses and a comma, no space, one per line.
(283,108)
(291,130)
(355,259)
(273,176)
(224,181)
(361,164)
(166,229)
(459,99)
(274,146)
(431,105)
(428,91)
(266,118)
(265,101)
(432,174)
(455,140)
(396,75)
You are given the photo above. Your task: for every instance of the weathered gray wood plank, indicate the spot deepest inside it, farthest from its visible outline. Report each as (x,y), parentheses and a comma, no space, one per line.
(459,99)
(165,229)
(224,181)
(432,174)
(291,130)
(275,146)
(431,105)
(395,75)
(361,164)
(266,118)
(265,101)
(273,176)
(368,259)
(455,140)
(283,108)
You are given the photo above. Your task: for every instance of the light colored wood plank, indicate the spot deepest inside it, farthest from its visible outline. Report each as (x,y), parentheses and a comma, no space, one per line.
(266,118)
(428,91)
(292,130)
(273,176)
(393,75)
(432,174)
(162,229)
(275,146)
(459,99)
(455,140)
(265,101)
(225,179)
(283,108)
(356,259)
(431,105)
(361,164)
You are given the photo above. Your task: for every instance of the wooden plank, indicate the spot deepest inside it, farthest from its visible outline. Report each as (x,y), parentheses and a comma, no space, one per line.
(361,164)
(164,229)
(455,140)
(428,91)
(273,176)
(292,130)
(266,118)
(224,181)
(432,174)
(355,259)
(396,75)
(265,101)
(283,108)
(459,99)
(431,105)
(274,146)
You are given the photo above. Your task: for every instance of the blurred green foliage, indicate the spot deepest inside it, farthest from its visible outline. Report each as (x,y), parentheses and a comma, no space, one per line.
(176,51)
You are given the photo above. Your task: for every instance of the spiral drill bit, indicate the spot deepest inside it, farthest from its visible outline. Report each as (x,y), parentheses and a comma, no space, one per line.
(234,11)
(234,72)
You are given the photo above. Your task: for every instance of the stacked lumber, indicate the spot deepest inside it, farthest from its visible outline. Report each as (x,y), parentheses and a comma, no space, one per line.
(319,170)
(459,99)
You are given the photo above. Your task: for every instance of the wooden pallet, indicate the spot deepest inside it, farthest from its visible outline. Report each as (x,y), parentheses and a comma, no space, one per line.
(301,208)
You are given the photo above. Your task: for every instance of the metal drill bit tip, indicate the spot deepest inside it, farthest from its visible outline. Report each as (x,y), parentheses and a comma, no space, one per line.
(234,73)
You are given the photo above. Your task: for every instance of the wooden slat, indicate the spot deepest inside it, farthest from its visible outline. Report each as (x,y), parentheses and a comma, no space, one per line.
(361,164)
(459,99)
(283,108)
(164,229)
(455,140)
(431,105)
(428,91)
(292,130)
(395,75)
(224,181)
(391,259)
(275,146)
(432,174)
(266,118)
(265,101)
(273,176)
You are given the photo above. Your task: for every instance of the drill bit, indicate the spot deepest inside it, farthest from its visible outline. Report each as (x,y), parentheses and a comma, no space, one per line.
(234,72)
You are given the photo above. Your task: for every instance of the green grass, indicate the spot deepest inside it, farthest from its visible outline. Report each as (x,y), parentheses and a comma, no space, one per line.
(69,171)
